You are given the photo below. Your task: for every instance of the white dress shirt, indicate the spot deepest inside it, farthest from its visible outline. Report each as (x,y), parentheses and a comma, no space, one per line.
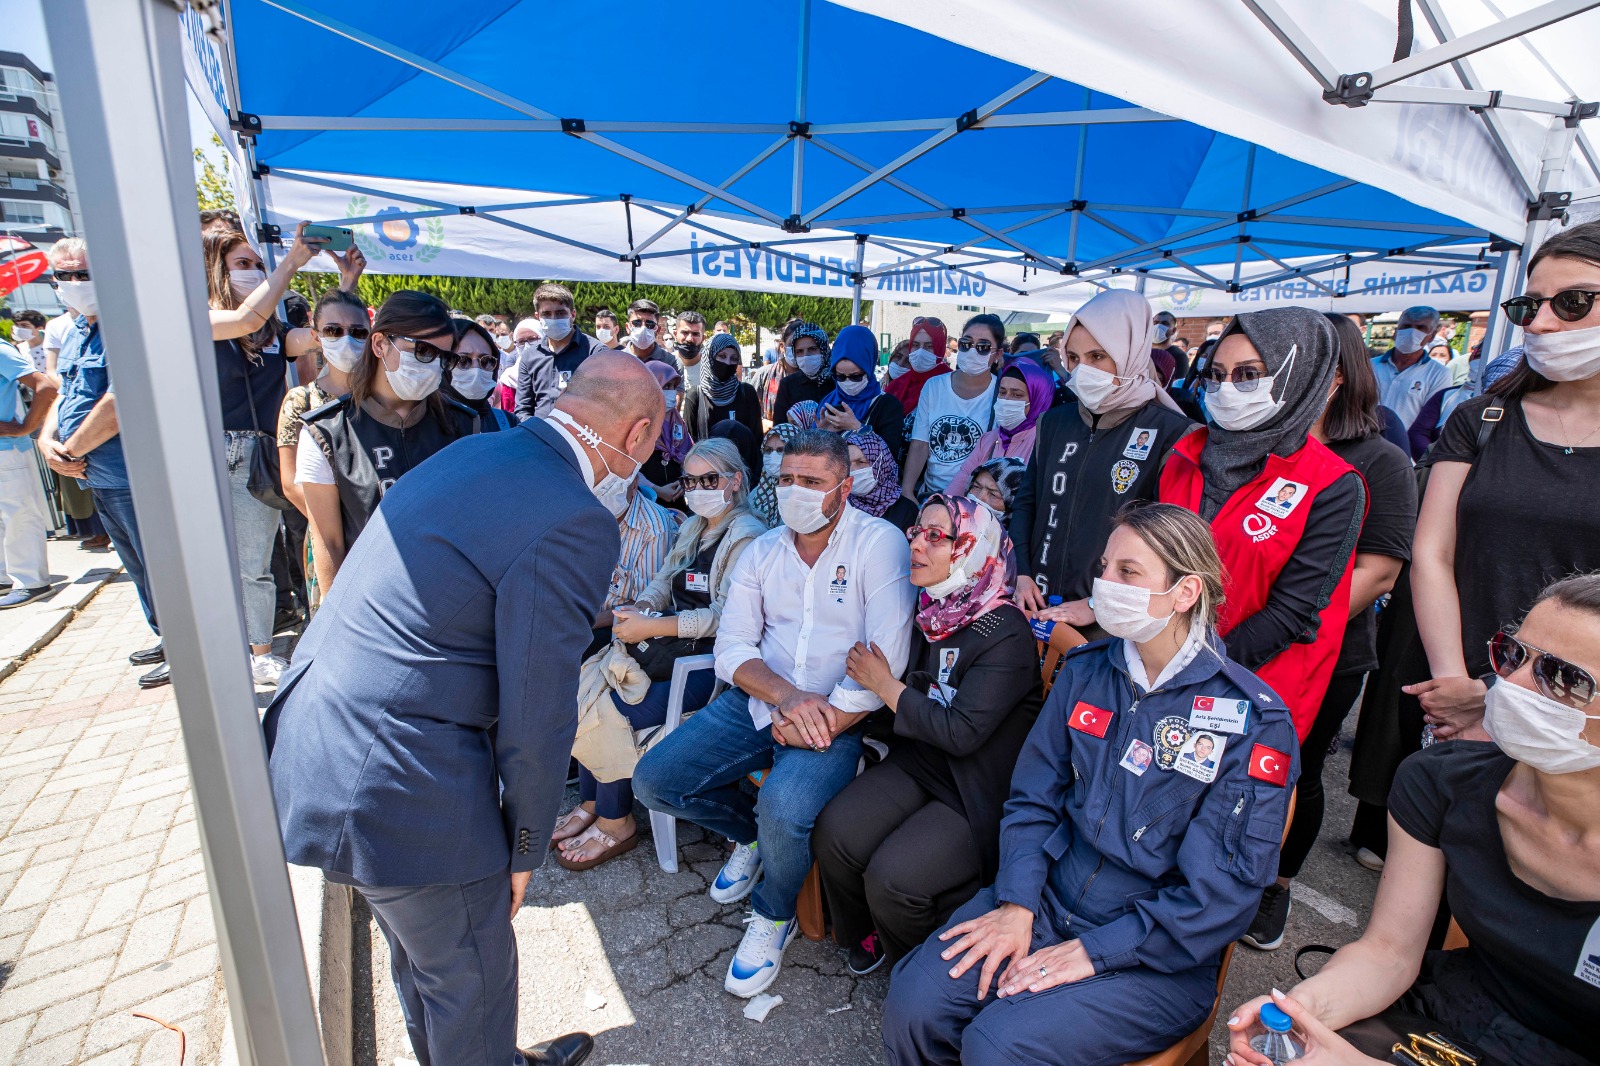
(1406,391)
(802,621)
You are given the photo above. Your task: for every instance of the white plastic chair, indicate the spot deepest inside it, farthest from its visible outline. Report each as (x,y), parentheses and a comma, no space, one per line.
(664,827)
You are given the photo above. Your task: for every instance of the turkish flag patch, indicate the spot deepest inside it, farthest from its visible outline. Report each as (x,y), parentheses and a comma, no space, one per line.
(1269,765)
(1087,718)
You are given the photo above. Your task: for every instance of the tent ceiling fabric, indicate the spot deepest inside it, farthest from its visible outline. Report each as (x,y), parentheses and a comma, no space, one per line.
(396,91)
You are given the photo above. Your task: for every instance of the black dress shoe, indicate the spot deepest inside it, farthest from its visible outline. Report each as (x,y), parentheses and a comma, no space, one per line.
(156,678)
(566,1050)
(149,656)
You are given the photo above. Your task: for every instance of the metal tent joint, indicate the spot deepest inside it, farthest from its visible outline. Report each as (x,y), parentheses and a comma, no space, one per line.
(966,121)
(793,224)
(268,233)
(574,126)
(467,210)
(1549,205)
(800,129)
(1351,90)
(1077,205)
(1581,109)
(1233,286)
(245,124)
(1248,215)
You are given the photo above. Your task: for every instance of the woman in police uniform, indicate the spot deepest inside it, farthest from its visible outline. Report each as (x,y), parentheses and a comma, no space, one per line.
(1125,870)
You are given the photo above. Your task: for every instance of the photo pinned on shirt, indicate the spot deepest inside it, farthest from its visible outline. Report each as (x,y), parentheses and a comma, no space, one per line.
(840,583)
(1137,759)
(1201,755)
(1140,441)
(564,376)
(1282,498)
(1589,958)
(696,582)
(947,663)
(943,695)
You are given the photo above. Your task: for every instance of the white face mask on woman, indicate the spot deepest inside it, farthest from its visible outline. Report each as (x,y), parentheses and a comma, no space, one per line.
(1008,414)
(1532,728)
(472,382)
(810,365)
(1567,355)
(707,503)
(1095,388)
(863,481)
(343,353)
(245,282)
(895,370)
(801,508)
(1239,411)
(972,362)
(770,463)
(922,360)
(413,380)
(1124,610)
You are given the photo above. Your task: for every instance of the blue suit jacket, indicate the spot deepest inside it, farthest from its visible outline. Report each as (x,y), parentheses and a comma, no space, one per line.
(443,668)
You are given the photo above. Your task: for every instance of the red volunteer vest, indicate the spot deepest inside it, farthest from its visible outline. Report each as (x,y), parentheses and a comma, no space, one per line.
(1257,532)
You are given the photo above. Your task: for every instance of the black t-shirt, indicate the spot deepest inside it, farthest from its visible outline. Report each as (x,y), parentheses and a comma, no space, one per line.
(266,381)
(1528,515)
(1539,957)
(1388,530)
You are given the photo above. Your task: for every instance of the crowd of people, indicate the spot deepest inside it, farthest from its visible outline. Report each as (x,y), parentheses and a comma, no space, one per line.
(872,555)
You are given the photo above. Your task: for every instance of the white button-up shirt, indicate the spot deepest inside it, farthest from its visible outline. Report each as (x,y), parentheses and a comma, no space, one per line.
(1406,391)
(802,620)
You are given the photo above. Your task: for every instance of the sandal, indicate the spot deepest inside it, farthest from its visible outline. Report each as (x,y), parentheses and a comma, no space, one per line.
(572,824)
(610,847)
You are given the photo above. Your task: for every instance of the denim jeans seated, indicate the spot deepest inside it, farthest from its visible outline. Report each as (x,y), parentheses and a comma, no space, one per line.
(694,774)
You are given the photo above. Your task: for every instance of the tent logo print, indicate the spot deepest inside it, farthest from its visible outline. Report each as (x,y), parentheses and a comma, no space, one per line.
(396,239)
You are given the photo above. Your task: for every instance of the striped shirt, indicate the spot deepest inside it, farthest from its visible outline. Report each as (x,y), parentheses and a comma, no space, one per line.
(648,530)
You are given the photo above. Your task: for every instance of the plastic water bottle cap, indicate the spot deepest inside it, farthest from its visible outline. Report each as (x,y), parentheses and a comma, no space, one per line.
(1055,601)
(1273,1017)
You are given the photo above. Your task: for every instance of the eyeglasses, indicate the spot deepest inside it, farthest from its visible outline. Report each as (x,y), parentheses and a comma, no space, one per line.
(425,351)
(1569,305)
(647,323)
(1244,378)
(473,362)
(70,275)
(704,481)
(333,333)
(981,347)
(1558,679)
(860,375)
(935,535)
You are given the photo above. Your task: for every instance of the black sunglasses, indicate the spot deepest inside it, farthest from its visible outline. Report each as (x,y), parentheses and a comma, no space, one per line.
(860,375)
(333,333)
(425,351)
(1569,305)
(1244,378)
(647,323)
(1555,677)
(981,347)
(703,481)
(457,361)
(70,275)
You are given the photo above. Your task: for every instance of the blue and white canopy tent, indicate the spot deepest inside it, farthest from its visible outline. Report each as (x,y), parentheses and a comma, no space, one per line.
(809,147)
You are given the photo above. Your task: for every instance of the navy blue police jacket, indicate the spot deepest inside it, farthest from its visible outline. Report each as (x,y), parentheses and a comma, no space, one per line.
(1157,869)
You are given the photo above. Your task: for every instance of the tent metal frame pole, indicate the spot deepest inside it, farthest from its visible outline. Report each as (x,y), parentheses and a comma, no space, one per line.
(1498,330)
(1077,182)
(1244,206)
(857,278)
(1505,29)
(120,76)
(1299,44)
(889,245)
(740,242)
(701,204)
(802,77)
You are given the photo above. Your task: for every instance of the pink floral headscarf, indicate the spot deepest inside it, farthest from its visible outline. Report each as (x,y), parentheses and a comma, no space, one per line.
(981,553)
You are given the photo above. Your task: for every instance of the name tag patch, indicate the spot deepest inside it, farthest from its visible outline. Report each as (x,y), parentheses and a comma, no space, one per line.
(697,582)
(1087,718)
(1219,715)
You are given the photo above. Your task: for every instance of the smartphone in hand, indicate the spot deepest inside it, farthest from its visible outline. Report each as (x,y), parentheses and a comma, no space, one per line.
(334,238)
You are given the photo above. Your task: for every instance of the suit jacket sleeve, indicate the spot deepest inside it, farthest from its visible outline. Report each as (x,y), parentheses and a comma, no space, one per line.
(544,604)
(537,385)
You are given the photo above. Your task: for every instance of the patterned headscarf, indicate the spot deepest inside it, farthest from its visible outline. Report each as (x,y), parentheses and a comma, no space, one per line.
(1007,473)
(820,335)
(981,559)
(675,440)
(884,468)
(804,414)
(764,497)
(720,393)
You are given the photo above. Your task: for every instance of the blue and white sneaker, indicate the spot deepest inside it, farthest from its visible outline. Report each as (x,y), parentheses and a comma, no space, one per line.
(755,965)
(738,875)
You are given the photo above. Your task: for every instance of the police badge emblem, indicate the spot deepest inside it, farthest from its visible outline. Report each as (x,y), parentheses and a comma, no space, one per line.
(1122,476)
(1171,734)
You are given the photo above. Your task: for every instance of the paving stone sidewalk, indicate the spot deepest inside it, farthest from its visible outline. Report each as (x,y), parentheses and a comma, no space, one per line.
(103,902)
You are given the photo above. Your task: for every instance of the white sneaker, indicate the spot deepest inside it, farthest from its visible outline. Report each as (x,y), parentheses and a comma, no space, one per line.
(1370,859)
(266,669)
(755,965)
(738,875)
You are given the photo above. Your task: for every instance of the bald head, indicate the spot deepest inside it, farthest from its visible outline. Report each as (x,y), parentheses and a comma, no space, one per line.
(619,398)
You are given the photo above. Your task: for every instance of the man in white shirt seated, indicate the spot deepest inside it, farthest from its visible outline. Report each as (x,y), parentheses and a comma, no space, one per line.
(801,596)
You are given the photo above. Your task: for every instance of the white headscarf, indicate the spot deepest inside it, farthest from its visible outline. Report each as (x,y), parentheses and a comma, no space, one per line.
(1120,322)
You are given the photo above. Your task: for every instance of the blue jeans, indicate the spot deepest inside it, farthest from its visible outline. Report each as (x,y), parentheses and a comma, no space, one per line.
(255,527)
(694,774)
(115,508)
(614,799)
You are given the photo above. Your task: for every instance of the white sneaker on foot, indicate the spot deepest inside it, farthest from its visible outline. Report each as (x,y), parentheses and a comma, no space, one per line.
(266,669)
(755,965)
(738,875)
(1370,859)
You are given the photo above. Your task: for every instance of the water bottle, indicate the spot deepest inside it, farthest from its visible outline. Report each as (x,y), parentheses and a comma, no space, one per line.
(1428,739)
(1043,628)
(1277,1043)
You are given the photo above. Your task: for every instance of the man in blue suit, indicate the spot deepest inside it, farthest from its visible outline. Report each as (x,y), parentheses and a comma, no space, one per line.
(418,744)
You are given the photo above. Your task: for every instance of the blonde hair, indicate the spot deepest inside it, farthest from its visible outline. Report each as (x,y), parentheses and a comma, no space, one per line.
(723,457)
(1182,541)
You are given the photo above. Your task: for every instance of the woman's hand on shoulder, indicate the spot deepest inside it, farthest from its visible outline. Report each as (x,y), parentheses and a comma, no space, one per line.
(996,939)
(1323,1046)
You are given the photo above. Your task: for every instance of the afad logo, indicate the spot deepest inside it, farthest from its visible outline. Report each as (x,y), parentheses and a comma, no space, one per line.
(1258,527)
(396,239)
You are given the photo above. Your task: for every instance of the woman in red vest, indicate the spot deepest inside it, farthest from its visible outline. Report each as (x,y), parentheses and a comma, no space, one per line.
(1285,511)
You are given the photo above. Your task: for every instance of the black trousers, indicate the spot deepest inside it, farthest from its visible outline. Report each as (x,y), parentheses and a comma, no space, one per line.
(1309,800)
(288,555)
(893,859)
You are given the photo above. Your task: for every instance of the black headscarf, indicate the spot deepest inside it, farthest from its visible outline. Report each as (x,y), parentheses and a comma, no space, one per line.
(745,441)
(1231,458)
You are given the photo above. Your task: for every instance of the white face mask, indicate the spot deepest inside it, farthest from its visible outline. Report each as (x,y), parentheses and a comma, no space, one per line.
(1568,355)
(1124,610)
(605,335)
(245,282)
(21,334)
(852,388)
(1008,414)
(1408,340)
(770,463)
(79,295)
(671,396)
(611,490)
(863,481)
(801,508)
(343,353)
(555,329)
(504,342)
(923,360)
(1095,388)
(472,382)
(707,503)
(642,338)
(1163,331)
(1532,728)
(972,362)
(413,380)
(810,365)
(895,370)
(1240,411)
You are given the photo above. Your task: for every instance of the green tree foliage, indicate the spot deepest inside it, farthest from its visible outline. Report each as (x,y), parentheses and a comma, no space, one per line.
(212,186)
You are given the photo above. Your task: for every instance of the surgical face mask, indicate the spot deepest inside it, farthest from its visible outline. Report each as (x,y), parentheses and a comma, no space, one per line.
(770,463)
(810,365)
(611,490)
(412,380)
(1163,331)
(671,396)
(79,295)
(504,342)
(1532,728)
(245,282)
(863,481)
(474,383)
(1095,387)
(1568,355)
(605,335)
(20,334)
(896,370)
(343,353)
(643,337)
(922,360)
(1008,414)
(1409,340)
(707,503)
(801,508)
(1124,610)
(852,388)
(1240,411)
(555,329)
(972,362)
